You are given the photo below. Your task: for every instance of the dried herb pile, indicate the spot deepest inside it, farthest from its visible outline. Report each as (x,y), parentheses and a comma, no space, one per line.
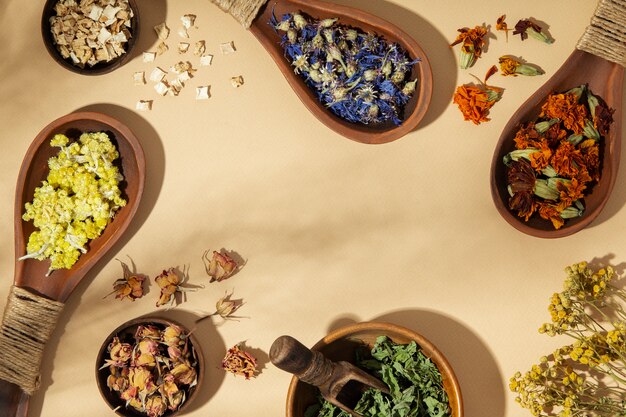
(153,369)
(557,159)
(359,76)
(414,382)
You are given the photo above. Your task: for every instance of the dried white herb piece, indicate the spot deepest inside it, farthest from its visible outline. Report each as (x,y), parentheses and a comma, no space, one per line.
(144,105)
(162,88)
(162,31)
(157,75)
(205,60)
(149,56)
(227,48)
(200,48)
(202,92)
(162,48)
(182,32)
(236,81)
(139,78)
(188,20)
(183,47)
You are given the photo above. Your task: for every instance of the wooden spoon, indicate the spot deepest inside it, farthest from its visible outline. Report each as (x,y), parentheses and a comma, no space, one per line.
(340,383)
(30,274)
(415,108)
(605,79)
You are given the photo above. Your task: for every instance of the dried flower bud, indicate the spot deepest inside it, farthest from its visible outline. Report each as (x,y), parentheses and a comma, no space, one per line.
(329,36)
(292,36)
(141,378)
(283,25)
(326,23)
(173,336)
(386,69)
(318,41)
(155,406)
(184,374)
(511,66)
(369,75)
(225,306)
(351,35)
(220,266)
(129,286)
(373,110)
(148,331)
(409,88)
(299,21)
(170,283)
(239,362)
(397,77)
(120,353)
(315,75)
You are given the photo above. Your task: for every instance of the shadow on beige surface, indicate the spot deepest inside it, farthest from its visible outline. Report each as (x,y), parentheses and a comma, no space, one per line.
(151,13)
(473,363)
(434,44)
(155,163)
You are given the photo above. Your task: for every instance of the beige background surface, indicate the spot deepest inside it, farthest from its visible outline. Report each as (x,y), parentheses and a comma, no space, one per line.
(332,231)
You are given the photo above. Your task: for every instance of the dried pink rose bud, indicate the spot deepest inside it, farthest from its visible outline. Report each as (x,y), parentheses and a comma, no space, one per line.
(129,286)
(184,374)
(156,406)
(220,266)
(119,352)
(239,362)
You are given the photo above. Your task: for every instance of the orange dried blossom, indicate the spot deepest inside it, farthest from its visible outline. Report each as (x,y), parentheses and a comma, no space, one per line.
(474,101)
(566,108)
(129,286)
(501,25)
(472,42)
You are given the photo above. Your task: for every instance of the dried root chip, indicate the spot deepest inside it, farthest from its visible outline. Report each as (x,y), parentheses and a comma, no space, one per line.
(162,48)
(182,66)
(162,31)
(236,81)
(157,75)
(162,88)
(239,362)
(202,92)
(205,60)
(144,105)
(227,48)
(149,56)
(183,47)
(200,48)
(184,76)
(188,20)
(139,78)
(182,32)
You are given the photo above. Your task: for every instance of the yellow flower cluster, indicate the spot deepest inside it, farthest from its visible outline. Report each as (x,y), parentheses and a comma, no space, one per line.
(77,200)
(573,380)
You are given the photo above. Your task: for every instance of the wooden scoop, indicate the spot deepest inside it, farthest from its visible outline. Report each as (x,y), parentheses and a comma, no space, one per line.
(30,274)
(340,383)
(415,108)
(605,79)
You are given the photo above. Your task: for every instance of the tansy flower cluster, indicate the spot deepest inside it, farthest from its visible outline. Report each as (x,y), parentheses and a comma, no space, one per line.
(359,76)
(587,377)
(557,157)
(76,201)
(153,370)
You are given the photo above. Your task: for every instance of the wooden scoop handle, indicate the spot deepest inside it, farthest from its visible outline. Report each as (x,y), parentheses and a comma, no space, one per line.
(309,366)
(13,401)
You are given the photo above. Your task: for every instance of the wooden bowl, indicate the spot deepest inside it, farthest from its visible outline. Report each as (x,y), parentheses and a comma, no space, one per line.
(126,333)
(341,344)
(99,68)
(414,110)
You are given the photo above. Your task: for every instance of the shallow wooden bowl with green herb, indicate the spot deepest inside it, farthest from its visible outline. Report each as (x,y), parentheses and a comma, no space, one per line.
(343,343)
(125,332)
(414,110)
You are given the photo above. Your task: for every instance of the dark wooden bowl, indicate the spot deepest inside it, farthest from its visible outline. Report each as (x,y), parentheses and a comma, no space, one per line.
(414,110)
(126,332)
(341,344)
(99,68)
(605,79)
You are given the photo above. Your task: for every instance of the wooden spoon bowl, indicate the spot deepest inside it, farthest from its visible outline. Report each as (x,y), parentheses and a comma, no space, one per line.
(341,345)
(605,79)
(373,134)
(30,274)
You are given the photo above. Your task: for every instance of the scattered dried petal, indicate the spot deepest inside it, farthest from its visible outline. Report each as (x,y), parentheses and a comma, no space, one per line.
(472,42)
(162,31)
(149,56)
(227,48)
(205,60)
(220,266)
(239,362)
(202,92)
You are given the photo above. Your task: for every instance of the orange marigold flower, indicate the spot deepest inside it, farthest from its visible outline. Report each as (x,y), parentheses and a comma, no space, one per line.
(551,212)
(567,160)
(472,41)
(474,101)
(540,160)
(565,107)
(590,151)
(527,137)
(570,191)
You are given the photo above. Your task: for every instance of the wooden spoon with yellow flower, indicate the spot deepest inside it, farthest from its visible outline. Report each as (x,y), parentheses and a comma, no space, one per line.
(596,67)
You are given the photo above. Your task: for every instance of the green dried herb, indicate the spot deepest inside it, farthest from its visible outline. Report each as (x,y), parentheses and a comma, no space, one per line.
(414,382)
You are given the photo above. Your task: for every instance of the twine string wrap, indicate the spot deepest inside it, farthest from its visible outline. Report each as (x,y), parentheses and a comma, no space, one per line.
(28,322)
(244,11)
(606,35)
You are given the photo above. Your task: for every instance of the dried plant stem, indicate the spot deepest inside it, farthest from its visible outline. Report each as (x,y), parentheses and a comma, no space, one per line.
(28,322)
